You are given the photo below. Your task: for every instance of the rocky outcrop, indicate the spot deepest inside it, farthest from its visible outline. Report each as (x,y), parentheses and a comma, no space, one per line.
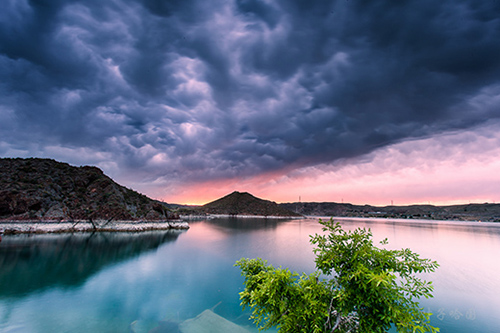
(44,190)
(245,204)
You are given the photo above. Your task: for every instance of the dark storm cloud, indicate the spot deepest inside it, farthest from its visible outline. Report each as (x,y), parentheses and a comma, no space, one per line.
(213,89)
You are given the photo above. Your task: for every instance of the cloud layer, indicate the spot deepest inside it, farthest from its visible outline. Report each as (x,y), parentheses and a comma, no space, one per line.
(454,168)
(174,92)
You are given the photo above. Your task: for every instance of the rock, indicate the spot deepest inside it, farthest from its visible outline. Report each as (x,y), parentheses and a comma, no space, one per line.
(209,322)
(44,189)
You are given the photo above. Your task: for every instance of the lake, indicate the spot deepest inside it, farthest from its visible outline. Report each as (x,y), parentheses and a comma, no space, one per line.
(123,282)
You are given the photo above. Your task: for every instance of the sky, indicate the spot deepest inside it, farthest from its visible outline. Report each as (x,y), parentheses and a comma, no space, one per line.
(367,102)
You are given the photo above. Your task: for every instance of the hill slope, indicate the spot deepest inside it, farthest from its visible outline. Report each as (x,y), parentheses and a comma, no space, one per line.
(469,212)
(238,203)
(44,189)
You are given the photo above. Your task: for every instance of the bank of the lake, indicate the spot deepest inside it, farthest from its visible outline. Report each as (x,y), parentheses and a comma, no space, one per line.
(423,222)
(42,227)
(239,216)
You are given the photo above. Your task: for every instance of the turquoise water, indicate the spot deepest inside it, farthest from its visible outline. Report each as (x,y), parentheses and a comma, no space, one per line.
(118,282)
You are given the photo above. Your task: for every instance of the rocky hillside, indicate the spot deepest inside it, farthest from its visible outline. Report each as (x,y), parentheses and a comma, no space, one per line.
(469,212)
(238,203)
(44,189)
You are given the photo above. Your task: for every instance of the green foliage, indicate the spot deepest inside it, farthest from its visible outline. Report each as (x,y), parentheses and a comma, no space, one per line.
(368,289)
(281,298)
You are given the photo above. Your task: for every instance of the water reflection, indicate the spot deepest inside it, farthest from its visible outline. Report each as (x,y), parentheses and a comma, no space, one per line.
(111,282)
(245,224)
(467,281)
(32,263)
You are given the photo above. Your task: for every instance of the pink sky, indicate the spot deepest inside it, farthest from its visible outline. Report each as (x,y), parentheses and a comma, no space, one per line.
(453,168)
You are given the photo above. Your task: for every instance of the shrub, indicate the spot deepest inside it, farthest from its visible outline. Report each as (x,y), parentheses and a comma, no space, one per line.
(367,289)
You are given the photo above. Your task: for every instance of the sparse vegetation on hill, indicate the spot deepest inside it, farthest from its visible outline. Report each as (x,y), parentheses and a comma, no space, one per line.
(44,189)
(470,212)
(243,203)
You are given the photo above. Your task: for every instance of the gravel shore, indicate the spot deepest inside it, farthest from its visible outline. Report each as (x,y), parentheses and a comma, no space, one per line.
(43,227)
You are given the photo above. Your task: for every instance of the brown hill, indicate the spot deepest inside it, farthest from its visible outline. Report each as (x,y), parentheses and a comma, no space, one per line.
(468,212)
(44,189)
(238,203)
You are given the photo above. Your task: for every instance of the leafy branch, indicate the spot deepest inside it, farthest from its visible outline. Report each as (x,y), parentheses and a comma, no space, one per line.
(367,289)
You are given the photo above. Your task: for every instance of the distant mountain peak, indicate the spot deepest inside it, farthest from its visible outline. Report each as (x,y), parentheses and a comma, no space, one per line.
(244,203)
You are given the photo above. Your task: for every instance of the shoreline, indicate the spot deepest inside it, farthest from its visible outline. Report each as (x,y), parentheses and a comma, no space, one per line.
(237,216)
(48,227)
(429,222)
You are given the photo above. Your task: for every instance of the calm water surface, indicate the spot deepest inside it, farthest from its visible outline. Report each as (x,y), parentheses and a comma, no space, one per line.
(108,282)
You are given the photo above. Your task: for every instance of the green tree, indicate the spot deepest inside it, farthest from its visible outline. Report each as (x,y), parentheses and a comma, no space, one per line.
(366,289)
